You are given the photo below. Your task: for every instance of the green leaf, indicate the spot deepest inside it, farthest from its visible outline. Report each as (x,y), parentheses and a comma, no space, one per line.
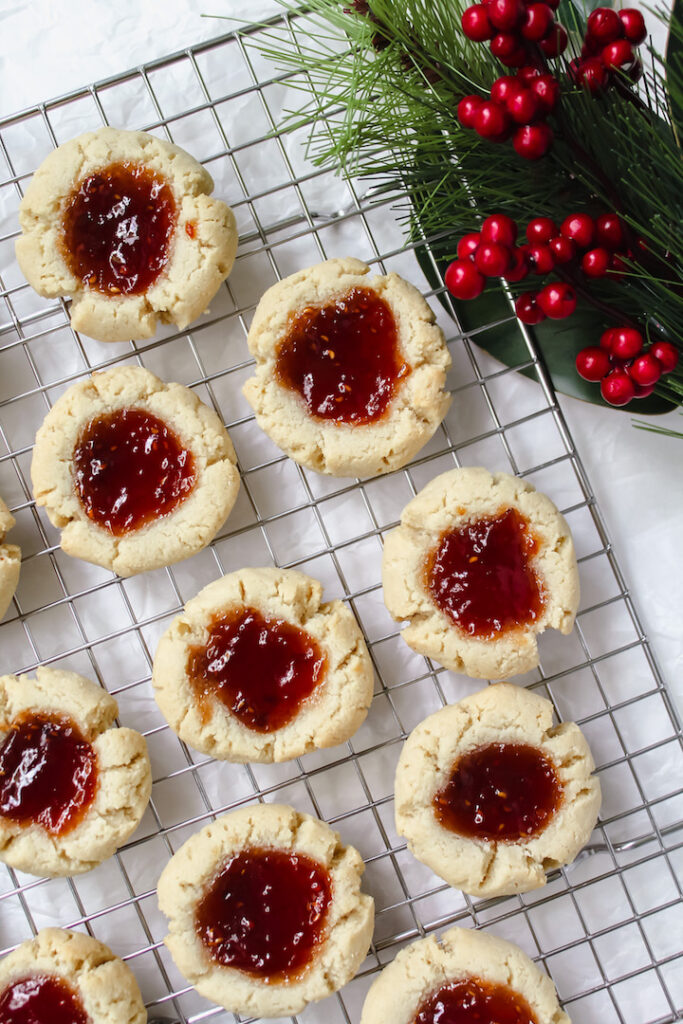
(558,342)
(674,65)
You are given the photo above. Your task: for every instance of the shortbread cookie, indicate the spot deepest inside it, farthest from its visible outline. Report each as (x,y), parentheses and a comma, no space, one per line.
(473,975)
(64,976)
(265,911)
(123,222)
(72,789)
(480,565)
(257,668)
(135,472)
(490,794)
(350,369)
(10,560)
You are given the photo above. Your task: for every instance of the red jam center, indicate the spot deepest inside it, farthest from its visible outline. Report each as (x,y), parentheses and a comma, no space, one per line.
(480,575)
(48,773)
(118,225)
(41,999)
(474,1001)
(505,791)
(265,913)
(343,358)
(130,469)
(262,668)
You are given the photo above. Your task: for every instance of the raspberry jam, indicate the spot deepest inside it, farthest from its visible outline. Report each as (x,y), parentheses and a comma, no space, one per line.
(260,667)
(41,999)
(48,773)
(130,469)
(117,229)
(343,358)
(265,913)
(474,1001)
(481,578)
(505,791)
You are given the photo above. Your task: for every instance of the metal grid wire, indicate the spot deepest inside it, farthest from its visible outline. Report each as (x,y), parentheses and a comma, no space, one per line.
(608,928)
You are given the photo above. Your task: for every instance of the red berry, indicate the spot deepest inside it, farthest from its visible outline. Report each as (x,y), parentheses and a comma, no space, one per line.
(532,141)
(503,88)
(666,355)
(504,44)
(514,59)
(528,310)
(499,228)
(463,280)
(468,245)
(540,230)
(519,269)
(547,91)
(618,54)
(578,227)
(556,42)
(604,25)
(590,47)
(592,73)
(528,74)
(626,342)
(617,267)
(553,4)
(563,249)
(633,24)
(537,21)
(476,24)
(617,388)
(606,338)
(492,259)
(467,110)
(542,260)
(595,262)
(645,370)
(491,120)
(557,300)
(642,392)
(505,14)
(592,363)
(524,107)
(635,71)
(609,231)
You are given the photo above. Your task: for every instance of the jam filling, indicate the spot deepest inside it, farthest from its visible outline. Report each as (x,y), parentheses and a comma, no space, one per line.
(130,469)
(260,667)
(117,229)
(48,773)
(343,358)
(265,913)
(474,1001)
(41,999)
(503,791)
(480,575)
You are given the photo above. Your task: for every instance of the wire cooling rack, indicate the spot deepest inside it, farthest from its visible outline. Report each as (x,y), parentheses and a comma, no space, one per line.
(608,929)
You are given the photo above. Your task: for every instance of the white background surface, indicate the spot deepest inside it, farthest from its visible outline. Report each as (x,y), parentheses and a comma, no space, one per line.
(47,49)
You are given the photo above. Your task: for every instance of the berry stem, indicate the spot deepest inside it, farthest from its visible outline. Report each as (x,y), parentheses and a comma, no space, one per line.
(610,311)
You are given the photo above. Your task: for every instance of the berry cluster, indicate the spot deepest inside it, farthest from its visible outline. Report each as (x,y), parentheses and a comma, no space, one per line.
(492,252)
(596,245)
(518,106)
(611,37)
(509,26)
(624,367)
